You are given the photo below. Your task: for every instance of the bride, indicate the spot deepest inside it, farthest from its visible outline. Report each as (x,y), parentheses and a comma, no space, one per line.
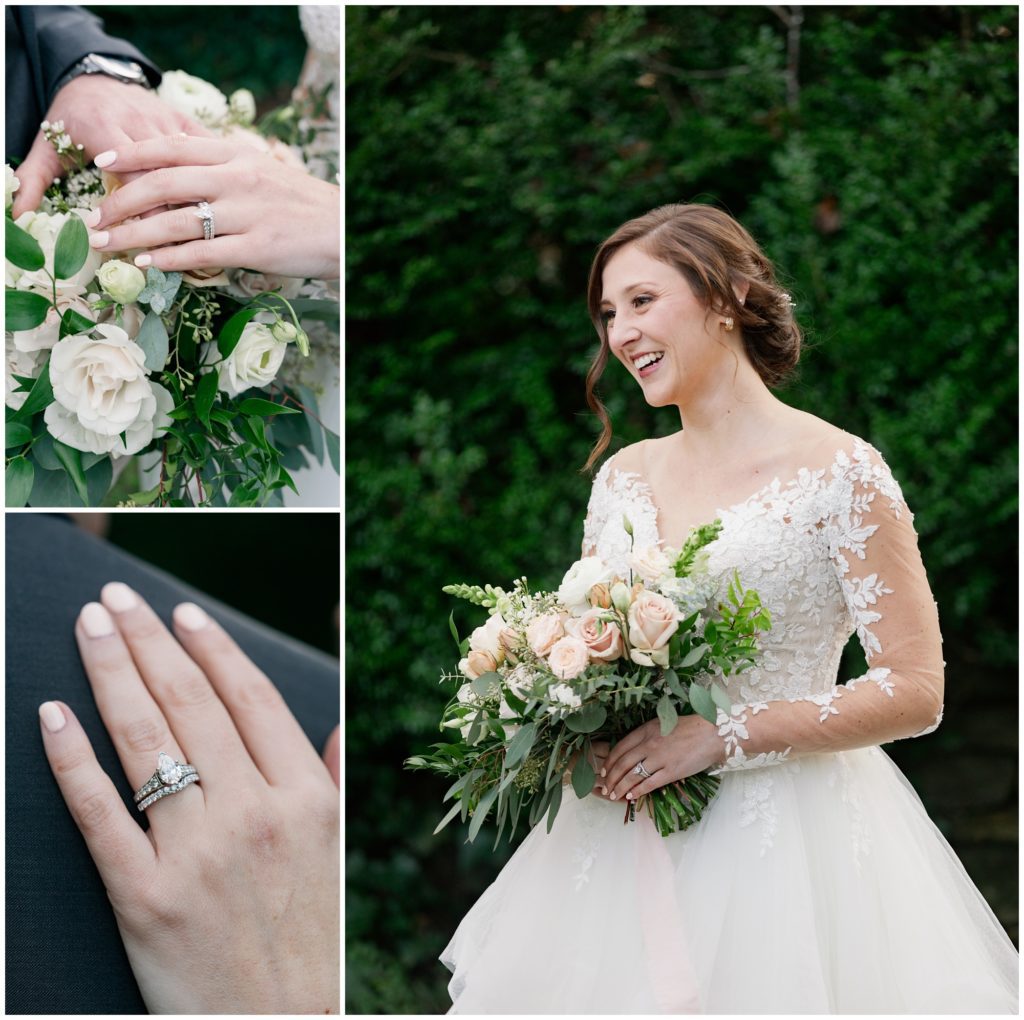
(815,883)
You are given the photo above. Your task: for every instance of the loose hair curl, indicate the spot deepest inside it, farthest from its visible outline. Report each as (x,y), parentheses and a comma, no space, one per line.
(713,253)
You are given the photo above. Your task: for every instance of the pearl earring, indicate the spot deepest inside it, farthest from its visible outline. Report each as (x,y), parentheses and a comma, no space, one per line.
(728,324)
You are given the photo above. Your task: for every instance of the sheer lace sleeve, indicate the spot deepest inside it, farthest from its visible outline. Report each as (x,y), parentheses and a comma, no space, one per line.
(873,550)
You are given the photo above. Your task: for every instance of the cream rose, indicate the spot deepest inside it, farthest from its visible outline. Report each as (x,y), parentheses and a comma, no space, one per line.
(193,97)
(101,390)
(601,635)
(568,658)
(579,579)
(477,663)
(650,563)
(122,282)
(543,631)
(653,619)
(45,227)
(254,361)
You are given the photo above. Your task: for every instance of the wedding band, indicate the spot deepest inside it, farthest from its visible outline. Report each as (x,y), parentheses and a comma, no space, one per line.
(205,213)
(170,777)
(641,771)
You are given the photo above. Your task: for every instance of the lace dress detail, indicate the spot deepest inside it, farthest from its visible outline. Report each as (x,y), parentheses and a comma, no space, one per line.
(321,24)
(814,833)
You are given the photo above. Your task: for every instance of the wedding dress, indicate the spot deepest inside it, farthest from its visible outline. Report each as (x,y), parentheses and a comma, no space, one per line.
(815,883)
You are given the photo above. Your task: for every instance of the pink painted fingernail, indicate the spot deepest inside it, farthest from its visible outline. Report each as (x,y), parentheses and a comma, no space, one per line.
(118,597)
(612,797)
(51,716)
(92,217)
(629,796)
(99,239)
(190,617)
(603,773)
(143,260)
(96,621)
(105,158)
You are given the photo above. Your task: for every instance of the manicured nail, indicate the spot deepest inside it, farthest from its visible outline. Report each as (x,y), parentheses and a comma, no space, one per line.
(629,796)
(190,617)
(105,158)
(604,789)
(99,239)
(143,260)
(613,796)
(604,772)
(92,218)
(51,716)
(118,597)
(96,621)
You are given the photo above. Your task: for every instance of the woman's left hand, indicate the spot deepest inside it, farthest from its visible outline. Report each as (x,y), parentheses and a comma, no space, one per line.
(229,902)
(268,216)
(694,745)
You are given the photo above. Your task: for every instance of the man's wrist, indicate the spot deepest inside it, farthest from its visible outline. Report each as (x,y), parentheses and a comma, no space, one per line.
(128,72)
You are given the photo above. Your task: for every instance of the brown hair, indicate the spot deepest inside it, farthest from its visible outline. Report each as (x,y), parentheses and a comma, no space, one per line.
(713,252)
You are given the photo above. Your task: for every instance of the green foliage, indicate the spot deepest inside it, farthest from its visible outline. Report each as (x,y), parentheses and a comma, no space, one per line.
(490,151)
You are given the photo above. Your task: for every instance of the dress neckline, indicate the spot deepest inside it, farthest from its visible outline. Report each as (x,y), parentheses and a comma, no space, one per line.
(774,486)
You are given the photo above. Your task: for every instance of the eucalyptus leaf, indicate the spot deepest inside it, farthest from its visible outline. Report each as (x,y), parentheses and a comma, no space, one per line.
(316,430)
(520,745)
(18,480)
(556,803)
(333,449)
(720,698)
(583,776)
(693,656)
(703,704)
(481,812)
(667,714)
(448,817)
(587,719)
(154,341)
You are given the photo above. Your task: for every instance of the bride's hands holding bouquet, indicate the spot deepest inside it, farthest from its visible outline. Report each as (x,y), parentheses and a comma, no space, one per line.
(229,903)
(267,215)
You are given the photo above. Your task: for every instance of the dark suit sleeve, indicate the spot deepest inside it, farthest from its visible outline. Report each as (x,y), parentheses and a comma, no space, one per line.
(64,953)
(42,44)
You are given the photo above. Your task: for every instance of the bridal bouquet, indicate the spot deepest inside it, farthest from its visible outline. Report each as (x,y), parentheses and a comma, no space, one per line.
(196,379)
(551,672)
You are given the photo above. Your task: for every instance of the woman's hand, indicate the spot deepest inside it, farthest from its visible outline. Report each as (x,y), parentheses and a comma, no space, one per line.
(694,745)
(229,903)
(268,216)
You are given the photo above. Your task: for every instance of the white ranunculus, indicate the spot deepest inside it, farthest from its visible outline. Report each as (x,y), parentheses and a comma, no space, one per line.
(193,97)
(101,390)
(11,185)
(650,563)
(45,227)
(121,281)
(23,363)
(254,361)
(47,333)
(243,105)
(579,579)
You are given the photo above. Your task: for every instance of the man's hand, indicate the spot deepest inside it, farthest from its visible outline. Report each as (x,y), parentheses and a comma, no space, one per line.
(99,113)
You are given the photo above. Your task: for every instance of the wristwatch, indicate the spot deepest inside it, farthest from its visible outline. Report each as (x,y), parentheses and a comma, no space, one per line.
(127,71)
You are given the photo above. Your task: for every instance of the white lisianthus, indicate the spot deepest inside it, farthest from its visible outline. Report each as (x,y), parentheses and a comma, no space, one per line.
(45,227)
(193,97)
(254,361)
(11,185)
(101,390)
(650,563)
(121,281)
(243,105)
(579,579)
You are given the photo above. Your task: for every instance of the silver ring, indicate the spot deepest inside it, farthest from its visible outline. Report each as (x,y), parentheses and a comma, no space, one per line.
(205,213)
(640,770)
(170,777)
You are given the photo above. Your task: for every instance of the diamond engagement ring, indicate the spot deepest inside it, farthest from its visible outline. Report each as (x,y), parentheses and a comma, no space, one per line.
(170,777)
(641,771)
(205,213)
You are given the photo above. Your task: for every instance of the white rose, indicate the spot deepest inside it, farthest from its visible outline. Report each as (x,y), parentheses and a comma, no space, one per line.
(47,333)
(45,227)
(11,185)
(650,563)
(569,657)
(122,282)
(193,97)
(101,390)
(487,638)
(579,579)
(243,105)
(254,361)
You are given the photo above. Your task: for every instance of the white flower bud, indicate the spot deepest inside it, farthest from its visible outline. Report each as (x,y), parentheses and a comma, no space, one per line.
(121,281)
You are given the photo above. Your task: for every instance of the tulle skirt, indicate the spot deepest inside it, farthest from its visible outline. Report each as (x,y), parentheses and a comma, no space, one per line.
(818,885)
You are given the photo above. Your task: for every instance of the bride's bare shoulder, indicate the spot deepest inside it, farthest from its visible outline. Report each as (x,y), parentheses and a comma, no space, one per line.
(815,441)
(632,459)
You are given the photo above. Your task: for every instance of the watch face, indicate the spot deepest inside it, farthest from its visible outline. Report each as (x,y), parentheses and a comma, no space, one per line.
(126,69)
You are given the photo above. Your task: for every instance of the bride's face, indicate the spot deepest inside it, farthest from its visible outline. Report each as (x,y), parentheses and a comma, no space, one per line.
(656,326)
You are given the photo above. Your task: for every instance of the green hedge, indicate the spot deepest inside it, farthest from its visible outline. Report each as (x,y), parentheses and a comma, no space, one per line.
(489,151)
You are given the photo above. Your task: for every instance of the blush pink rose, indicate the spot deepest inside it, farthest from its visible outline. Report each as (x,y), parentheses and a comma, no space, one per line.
(601,636)
(569,657)
(653,619)
(543,632)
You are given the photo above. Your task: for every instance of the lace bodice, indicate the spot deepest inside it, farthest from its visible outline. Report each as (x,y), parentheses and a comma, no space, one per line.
(831,553)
